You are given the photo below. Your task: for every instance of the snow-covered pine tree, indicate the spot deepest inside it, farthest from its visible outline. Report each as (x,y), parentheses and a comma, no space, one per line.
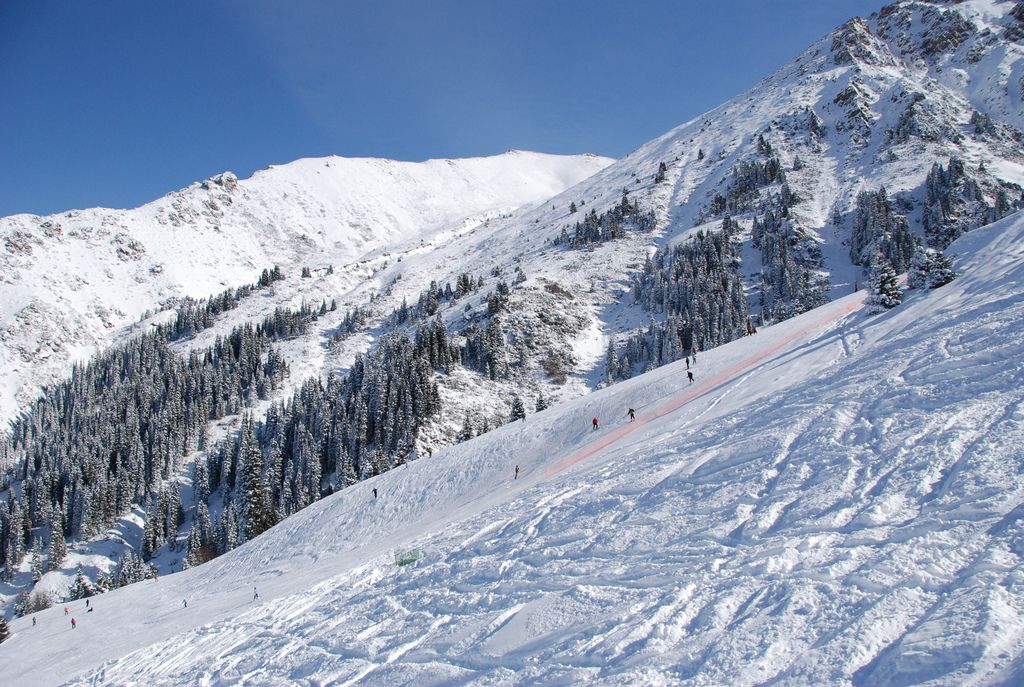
(80,588)
(920,265)
(257,512)
(37,561)
(877,226)
(58,547)
(940,271)
(518,409)
(885,291)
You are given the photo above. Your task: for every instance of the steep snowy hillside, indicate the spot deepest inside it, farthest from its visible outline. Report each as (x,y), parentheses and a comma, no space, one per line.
(69,282)
(891,130)
(877,103)
(835,501)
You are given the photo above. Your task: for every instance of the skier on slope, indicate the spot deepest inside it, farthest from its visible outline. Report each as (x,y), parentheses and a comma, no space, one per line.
(375,492)
(595,423)
(73,624)
(690,376)
(632,414)
(517,473)
(255,594)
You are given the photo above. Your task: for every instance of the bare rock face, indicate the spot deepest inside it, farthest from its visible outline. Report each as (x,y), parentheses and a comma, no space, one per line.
(853,43)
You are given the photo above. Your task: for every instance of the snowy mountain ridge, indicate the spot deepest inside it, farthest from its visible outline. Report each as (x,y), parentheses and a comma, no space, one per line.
(72,281)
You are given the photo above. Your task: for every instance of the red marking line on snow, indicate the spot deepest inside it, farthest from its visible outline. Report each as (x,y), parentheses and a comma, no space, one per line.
(700,389)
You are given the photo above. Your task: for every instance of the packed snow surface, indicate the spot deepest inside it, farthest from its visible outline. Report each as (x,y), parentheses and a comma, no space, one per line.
(836,500)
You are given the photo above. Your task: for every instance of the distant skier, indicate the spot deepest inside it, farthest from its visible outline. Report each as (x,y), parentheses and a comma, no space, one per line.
(255,594)
(687,362)
(595,423)
(33,621)
(690,375)
(73,624)
(184,603)
(375,492)
(87,603)
(632,414)
(517,473)
(65,610)
(90,609)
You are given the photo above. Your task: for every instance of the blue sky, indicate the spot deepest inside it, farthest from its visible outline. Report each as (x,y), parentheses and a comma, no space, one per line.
(117,102)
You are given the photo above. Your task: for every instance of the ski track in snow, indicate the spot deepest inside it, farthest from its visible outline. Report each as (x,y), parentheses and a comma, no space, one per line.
(840,503)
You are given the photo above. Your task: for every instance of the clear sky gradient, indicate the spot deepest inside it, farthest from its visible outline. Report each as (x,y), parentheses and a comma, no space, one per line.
(118,102)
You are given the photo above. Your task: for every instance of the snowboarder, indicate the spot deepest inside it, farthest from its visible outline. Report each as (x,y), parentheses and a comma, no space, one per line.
(90,610)
(73,624)
(595,423)
(632,414)
(690,375)
(517,473)
(375,492)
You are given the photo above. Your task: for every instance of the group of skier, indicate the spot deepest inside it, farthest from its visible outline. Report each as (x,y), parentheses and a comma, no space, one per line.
(595,424)
(74,623)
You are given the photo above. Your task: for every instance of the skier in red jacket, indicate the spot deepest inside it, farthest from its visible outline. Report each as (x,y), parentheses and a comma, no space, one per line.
(595,423)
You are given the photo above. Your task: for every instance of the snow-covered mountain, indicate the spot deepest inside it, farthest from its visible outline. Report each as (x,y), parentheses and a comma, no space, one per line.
(526,280)
(70,282)
(835,501)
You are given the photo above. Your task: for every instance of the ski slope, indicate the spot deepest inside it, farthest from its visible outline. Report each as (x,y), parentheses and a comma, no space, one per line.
(837,500)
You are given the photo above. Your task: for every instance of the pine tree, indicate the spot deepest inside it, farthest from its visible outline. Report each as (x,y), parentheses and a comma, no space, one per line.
(885,292)
(941,271)
(37,562)
(467,432)
(80,588)
(257,511)
(5,629)
(572,208)
(920,266)
(518,409)
(58,547)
